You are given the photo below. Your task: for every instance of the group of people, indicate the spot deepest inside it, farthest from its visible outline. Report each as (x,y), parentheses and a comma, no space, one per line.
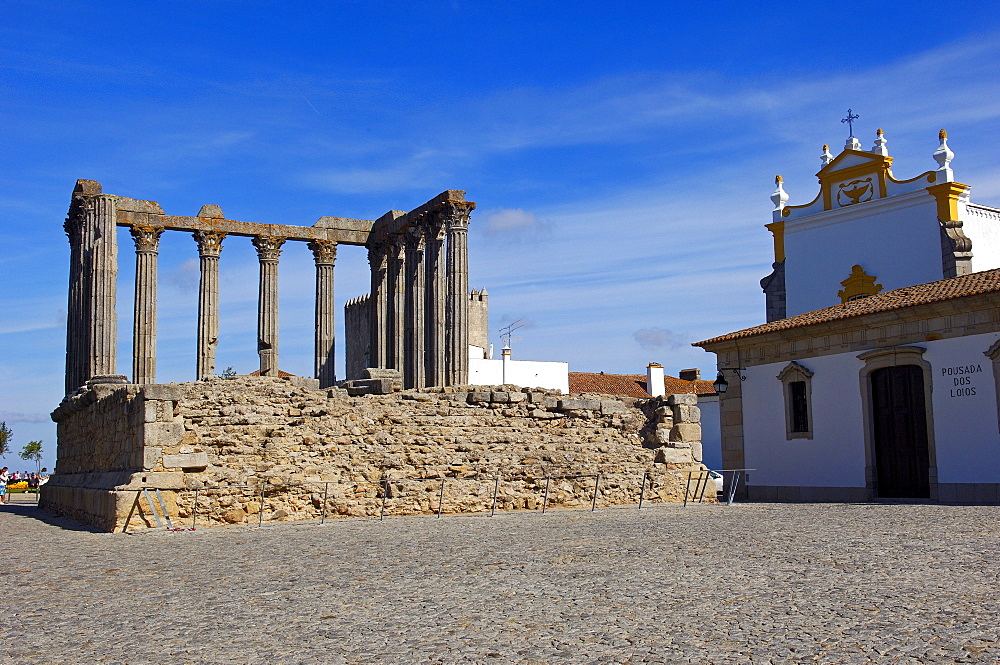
(34,480)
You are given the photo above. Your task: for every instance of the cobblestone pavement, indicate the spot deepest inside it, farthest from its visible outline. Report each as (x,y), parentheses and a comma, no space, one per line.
(753,583)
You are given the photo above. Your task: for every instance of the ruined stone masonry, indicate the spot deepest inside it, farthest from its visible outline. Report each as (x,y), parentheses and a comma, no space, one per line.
(295,448)
(291,437)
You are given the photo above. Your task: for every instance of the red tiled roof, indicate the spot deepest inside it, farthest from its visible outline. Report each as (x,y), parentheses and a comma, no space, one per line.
(281,373)
(632,385)
(975,283)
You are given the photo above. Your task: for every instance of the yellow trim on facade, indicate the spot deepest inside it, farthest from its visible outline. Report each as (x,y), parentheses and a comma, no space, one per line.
(787,210)
(876,165)
(858,285)
(947,194)
(777,229)
(930,175)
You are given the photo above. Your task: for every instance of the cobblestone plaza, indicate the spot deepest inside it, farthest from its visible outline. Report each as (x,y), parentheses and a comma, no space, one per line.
(751,583)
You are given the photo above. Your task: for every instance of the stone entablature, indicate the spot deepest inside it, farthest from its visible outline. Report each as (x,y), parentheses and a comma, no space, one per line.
(116,439)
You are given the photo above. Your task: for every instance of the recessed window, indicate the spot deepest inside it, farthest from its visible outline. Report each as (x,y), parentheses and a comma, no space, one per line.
(799,406)
(797,388)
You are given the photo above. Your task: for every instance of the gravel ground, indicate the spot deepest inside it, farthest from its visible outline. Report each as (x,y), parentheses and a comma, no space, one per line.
(750,583)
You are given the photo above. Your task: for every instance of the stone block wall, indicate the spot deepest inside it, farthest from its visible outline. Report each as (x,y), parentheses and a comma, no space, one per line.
(479,319)
(357,337)
(231,438)
(111,437)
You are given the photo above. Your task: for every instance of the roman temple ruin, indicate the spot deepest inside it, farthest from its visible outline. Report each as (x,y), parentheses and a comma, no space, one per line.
(409,435)
(418,314)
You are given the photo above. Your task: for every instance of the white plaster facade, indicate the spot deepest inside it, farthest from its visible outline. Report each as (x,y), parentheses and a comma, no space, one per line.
(963,411)
(523,373)
(874,274)
(900,232)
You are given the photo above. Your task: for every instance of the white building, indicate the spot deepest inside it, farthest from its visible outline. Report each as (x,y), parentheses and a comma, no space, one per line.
(551,375)
(874,377)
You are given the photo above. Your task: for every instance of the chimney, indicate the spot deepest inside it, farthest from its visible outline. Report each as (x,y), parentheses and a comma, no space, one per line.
(691,374)
(654,380)
(505,358)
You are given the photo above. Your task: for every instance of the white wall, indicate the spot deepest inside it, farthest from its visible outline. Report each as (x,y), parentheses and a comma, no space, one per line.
(524,373)
(966,433)
(966,429)
(711,431)
(983,228)
(835,456)
(897,240)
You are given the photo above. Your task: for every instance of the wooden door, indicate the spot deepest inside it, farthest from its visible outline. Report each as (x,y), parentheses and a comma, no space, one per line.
(899,424)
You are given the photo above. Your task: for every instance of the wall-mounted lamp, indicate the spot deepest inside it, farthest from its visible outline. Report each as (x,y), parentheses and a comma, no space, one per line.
(720,384)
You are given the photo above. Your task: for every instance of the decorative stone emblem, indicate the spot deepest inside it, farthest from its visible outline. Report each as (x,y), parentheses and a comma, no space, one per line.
(855,191)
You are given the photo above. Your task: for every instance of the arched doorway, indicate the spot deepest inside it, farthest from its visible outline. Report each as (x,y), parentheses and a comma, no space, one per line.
(899,432)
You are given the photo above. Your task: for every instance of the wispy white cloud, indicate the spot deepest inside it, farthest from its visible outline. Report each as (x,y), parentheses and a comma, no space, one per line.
(16,417)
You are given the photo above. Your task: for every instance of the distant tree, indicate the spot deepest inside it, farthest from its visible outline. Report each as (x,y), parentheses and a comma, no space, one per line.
(228,373)
(32,451)
(5,436)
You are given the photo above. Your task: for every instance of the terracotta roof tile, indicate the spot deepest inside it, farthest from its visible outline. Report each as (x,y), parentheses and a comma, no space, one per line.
(632,385)
(281,373)
(975,283)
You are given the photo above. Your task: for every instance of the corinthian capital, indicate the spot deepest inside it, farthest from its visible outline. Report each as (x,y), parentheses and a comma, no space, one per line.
(268,247)
(72,228)
(456,214)
(146,238)
(324,252)
(209,243)
(415,239)
(434,226)
(377,255)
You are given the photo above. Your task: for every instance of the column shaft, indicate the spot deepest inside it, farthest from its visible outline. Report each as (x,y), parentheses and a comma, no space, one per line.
(397,305)
(377,350)
(75,318)
(325,254)
(101,265)
(434,301)
(268,251)
(147,241)
(209,248)
(414,374)
(457,304)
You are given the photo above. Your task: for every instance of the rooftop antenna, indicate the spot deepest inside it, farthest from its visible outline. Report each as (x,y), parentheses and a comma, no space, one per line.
(507,332)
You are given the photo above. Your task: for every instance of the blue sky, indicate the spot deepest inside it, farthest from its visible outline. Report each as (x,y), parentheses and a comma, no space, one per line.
(621,154)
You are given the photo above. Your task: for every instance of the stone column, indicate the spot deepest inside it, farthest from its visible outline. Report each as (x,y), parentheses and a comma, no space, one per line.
(434,297)
(456,318)
(325,254)
(268,250)
(100,242)
(209,248)
(147,243)
(377,260)
(414,373)
(75,315)
(397,304)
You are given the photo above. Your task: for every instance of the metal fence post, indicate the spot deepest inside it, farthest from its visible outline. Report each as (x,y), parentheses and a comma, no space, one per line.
(642,491)
(194,511)
(545,498)
(441,498)
(597,482)
(385,495)
(260,513)
(496,487)
(326,487)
